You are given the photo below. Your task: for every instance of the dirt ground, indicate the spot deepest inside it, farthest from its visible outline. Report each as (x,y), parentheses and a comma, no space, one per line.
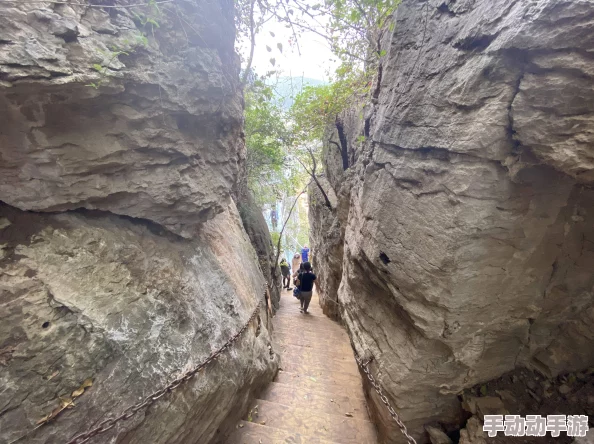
(524,392)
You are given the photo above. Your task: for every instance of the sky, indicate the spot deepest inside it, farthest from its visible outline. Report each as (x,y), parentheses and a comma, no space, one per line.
(314,62)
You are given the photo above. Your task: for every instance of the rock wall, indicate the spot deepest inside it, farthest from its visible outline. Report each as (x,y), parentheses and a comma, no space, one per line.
(257,229)
(123,258)
(469,245)
(157,140)
(327,236)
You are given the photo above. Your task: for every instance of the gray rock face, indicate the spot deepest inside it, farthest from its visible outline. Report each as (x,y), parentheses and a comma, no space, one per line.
(468,243)
(257,230)
(87,295)
(123,259)
(327,235)
(159,139)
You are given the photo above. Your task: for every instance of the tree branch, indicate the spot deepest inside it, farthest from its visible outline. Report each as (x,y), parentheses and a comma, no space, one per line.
(280,236)
(252,45)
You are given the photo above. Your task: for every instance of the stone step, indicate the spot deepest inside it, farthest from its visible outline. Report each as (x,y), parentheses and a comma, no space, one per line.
(310,329)
(300,364)
(311,335)
(317,396)
(313,353)
(254,433)
(315,360)
(313,313)
(310,422)
(310,398)
(307,321)
(326,384)
(318,344)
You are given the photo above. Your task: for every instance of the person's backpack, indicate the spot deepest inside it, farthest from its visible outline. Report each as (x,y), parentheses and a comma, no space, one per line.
(297,290)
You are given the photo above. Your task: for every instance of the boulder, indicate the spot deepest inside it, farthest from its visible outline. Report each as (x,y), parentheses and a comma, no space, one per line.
(327,235)
(102,112)
(484,405)
(124,263)
(470,213)
(473,432)
(437,436)
(130,306)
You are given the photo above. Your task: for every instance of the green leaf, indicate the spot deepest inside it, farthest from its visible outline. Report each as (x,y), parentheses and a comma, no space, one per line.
(268,48)
(97,67)
(279,46)
(152,22)
(273,61)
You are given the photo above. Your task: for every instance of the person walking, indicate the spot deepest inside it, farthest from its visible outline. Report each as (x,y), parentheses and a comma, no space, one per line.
(307,280)
(296,262)
(305,254)
(286,271)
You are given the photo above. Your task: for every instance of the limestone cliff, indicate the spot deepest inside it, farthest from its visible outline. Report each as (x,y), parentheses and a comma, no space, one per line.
(469,241)
(123,258)
(257,230)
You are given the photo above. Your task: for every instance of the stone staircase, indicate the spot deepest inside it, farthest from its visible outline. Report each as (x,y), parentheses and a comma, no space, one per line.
(317,397)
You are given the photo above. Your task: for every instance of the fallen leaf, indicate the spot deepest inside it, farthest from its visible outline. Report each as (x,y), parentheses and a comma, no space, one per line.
(66,402)
(313,379)
(53,375)
(45,419)
(241,425)
(263,422)
(87,383)
(350,415)
(79,391)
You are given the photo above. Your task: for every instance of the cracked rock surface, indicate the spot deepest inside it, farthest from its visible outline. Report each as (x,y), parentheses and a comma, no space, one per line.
(123,258)
(469,240)
(159,139)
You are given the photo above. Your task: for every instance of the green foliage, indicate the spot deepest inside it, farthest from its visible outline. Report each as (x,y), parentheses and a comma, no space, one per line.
(128,45)
(265,137)
(316,107)
(274,236)
(354,30)
(150,20)
(283,150)
(356,27)
(104,70)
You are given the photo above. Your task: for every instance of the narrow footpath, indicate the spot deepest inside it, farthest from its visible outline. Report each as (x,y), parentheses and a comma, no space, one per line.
(317,397)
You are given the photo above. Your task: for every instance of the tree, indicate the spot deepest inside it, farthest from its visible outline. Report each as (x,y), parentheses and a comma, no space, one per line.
(280,147)
(266,136)
(354,29)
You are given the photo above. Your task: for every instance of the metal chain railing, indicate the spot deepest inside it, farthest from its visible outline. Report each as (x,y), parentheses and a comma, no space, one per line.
(128,413)
(325,299)
(365,367)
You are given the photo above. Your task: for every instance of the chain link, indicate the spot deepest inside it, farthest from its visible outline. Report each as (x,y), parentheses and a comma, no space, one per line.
(325,299)
(128,413)
(365,367)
